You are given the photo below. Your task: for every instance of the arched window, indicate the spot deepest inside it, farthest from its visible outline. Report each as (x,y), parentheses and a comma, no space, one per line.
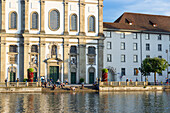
(73,22)
(91,24)
(73,49)
(91,50)
(34,20)
(13,20)
(54,20)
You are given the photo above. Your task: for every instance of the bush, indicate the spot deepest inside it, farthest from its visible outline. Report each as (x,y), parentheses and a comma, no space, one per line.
(25,79)
(81,80)
(31,70)
(105,70)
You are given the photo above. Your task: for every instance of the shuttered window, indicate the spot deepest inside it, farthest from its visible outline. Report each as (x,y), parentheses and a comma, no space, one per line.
(13,23)
(34,21)
(54,20)
(74,22)
(91,24)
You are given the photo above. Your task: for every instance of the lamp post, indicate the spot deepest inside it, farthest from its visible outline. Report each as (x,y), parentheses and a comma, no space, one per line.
(168,63)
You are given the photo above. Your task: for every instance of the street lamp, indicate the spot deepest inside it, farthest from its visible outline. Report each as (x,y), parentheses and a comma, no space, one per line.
(168,63)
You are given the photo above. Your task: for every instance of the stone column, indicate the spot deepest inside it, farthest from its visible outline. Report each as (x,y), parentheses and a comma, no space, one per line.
(3,3)
(100,6)
(26,16)
(82,17)
(100,57)
(82,59)
(3,59)
(66,59)
(21,59)
(42,53)
(66,17)
(42,28)
(26,56)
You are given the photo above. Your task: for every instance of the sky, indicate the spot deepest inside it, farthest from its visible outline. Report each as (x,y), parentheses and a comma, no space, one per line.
(115,8)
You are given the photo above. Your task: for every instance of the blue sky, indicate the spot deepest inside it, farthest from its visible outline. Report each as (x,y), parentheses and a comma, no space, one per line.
(114,8)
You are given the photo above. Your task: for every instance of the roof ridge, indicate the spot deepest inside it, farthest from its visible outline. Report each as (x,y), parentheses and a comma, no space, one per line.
(145,14)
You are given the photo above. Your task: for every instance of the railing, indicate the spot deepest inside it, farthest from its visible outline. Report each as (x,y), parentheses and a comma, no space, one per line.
(114,83)
(20,84)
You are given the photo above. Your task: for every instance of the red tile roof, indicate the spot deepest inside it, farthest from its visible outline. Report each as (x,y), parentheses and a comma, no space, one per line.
(142,22)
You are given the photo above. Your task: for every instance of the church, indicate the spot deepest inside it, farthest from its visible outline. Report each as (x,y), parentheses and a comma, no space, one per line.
(59,39)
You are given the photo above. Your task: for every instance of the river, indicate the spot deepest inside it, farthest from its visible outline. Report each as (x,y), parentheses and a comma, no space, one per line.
(103,102)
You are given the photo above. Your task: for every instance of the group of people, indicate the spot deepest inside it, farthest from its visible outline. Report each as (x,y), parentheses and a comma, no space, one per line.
(127,80)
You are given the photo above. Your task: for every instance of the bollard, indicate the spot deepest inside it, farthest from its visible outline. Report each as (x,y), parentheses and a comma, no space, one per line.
(136,83)
(37,84)
(17,84)
(119,83)
(26,84)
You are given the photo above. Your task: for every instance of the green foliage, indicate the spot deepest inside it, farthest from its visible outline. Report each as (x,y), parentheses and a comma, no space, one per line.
(105,70)
(31,70)
(81,80)
(25,79)
(154,65)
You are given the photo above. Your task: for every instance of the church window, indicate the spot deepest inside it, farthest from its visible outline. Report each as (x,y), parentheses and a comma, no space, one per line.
(34,20)
(91,24)
(13,20)
(54,20)
(73,22)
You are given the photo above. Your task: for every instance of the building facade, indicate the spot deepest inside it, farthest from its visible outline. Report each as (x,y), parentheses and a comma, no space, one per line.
(132,38)
(60,39)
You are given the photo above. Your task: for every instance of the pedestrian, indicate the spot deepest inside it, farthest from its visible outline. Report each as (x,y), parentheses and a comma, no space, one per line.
(127,80)
(136,79)
(6,82)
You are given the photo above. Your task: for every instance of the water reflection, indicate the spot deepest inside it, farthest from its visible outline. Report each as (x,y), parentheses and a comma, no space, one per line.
(119,102)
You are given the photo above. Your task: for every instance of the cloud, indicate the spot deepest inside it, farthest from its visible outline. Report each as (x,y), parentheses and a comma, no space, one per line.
(114,8)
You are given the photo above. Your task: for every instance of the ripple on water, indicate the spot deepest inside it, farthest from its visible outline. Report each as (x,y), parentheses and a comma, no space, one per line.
(118,102)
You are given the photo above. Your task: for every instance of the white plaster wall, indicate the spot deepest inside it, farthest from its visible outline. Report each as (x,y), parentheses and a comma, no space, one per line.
(15,6)
(94,12)
(34,6)
(7,63)
(73,8)
(94,66)
(129,52)
(54,5)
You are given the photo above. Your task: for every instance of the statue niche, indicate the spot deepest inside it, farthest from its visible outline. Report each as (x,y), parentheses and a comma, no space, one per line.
(54,51)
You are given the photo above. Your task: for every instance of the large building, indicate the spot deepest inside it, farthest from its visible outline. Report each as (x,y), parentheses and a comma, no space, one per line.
(132,38)
(60,39)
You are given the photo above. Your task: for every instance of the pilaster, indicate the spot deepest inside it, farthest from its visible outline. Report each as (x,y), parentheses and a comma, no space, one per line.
(42,28)
(66,59)
(26,16)
(26,56)
(100,8)
(3,59)
(66,17)
(42,57)
(100,57)
(82,59)
(82,17)
(3,3)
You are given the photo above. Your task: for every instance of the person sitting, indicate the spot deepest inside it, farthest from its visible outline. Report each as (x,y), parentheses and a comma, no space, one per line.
(58,82)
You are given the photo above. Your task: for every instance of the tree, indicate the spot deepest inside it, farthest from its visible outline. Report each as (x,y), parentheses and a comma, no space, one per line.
(154,65)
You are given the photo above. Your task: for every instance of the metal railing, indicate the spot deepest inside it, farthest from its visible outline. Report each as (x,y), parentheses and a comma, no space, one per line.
(20,84)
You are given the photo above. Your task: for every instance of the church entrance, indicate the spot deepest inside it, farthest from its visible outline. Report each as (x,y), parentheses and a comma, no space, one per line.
(91,78)
(73,77)
(12,76)
(54,73)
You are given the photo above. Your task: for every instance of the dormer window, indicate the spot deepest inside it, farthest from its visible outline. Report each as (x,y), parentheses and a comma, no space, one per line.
(129,21)
(153,24)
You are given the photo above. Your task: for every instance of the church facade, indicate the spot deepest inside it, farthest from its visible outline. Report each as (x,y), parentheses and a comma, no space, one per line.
(59,39)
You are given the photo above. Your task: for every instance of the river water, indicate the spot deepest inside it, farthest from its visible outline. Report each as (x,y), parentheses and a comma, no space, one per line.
(103,102)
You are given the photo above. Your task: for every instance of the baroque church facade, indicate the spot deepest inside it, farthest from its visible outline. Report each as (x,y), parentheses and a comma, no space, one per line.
(59,39)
